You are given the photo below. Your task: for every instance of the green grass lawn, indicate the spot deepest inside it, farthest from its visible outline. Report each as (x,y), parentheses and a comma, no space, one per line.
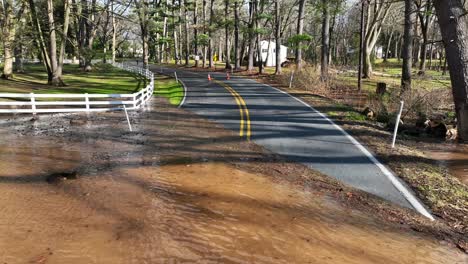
(432,80)
(393,67)
(103,79)
(166,86)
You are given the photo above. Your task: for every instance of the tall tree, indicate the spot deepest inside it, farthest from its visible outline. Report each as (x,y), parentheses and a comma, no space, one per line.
(237,58)
(8,37)
(300,31)
(143,19)
(260,8)
(195,32)
(114,31)
(377,12)
(425,19)
(56,78)
(174,32)
(186,33)
(277,37)
(251,33)
(407,52)
(63,44)
(210,36)
(453,23)
(226,36)
(205,51)
(325,40)
(39,38)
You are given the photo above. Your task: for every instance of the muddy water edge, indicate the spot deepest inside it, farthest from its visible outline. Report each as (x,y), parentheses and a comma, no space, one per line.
(78,189)
(455,158)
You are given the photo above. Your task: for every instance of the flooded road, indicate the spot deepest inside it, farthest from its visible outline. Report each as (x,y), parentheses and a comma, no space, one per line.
(455,158)
(132,201)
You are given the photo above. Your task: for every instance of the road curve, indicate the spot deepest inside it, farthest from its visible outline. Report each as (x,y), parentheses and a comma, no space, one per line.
(287,126)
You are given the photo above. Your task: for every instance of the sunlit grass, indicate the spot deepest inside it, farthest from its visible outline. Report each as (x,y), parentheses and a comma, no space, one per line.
(169,88)
(392,82)
(103,79)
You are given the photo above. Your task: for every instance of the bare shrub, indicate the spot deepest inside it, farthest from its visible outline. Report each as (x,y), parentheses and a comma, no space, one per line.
(308,78)
(420,105)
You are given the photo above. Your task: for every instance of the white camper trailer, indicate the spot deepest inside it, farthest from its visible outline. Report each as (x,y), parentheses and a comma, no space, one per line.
(269,53)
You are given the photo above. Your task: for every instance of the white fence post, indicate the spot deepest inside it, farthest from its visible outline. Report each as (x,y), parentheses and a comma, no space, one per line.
(87,101)
(33,103)
(397,123)
(128,119)
(177,79)
(291,79)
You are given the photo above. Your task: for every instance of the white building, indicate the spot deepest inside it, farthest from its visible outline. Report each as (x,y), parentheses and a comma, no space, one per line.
(269,53)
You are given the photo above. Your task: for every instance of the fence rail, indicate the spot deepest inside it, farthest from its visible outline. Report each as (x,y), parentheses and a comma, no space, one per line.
(48,103)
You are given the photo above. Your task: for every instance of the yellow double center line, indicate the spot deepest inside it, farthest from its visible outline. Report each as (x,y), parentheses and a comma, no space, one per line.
(243,110)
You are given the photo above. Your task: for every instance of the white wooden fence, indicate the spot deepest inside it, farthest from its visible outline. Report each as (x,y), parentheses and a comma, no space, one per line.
(63,103)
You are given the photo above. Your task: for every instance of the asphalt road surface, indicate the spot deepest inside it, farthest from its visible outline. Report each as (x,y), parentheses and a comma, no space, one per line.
(287,126)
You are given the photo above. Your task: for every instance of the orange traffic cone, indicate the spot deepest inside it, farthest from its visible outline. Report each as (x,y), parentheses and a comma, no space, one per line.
(209,77)
(228,77)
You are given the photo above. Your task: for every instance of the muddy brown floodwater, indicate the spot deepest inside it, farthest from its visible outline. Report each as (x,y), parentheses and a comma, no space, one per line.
(128,205)
(455,158)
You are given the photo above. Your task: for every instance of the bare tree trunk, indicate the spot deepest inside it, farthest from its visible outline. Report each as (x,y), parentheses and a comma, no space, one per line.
(90,34)
(408,45)
(243,47)
(64,41)
(362,37)
(82,15)
(145,50)
(226,31)
(325,40)
(453,23)
(142,9)
(180,32)
(259,10)
(398,47)
(205,51)
(252,18)
(389,43)
(163,45)
(237,57)
(220,51)
(367,68)
(19,65)
(114,31)
(187,38)
(416,42)
(374,22)
(431,49)
(277,38)
(210,34)
(425,20)
(56,81)
(8,39)
(299,31)
(40,38)
(174,34)
(195,22)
